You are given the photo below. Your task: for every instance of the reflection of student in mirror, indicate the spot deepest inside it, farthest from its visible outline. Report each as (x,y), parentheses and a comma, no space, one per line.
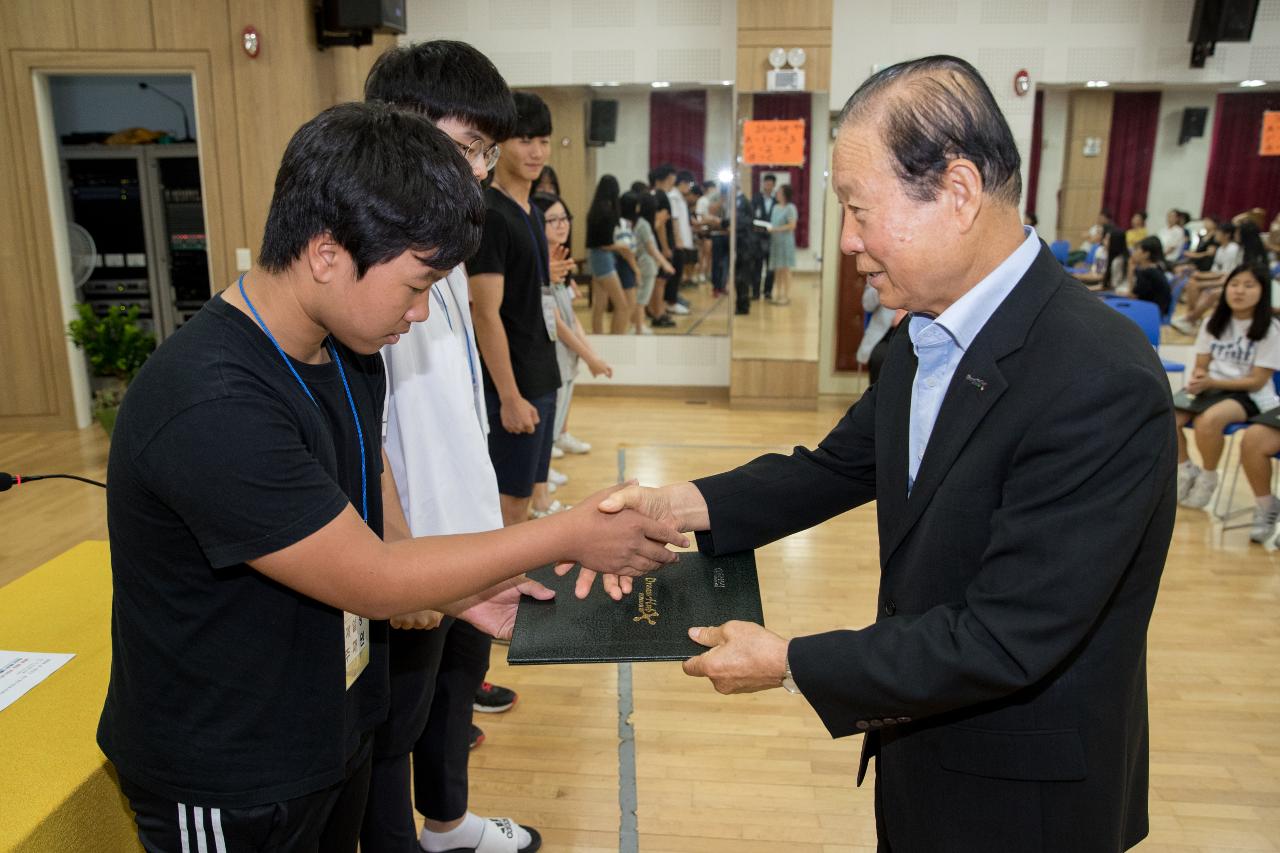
(639,207)
(782,244)
(605,253)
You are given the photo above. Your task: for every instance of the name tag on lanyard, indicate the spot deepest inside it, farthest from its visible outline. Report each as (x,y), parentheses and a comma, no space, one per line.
(355,630)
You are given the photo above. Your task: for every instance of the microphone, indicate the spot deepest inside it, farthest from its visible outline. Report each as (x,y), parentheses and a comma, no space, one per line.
(8,481)
(186,126)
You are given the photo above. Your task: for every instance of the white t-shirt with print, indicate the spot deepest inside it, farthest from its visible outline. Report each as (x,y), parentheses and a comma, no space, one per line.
(1234,355)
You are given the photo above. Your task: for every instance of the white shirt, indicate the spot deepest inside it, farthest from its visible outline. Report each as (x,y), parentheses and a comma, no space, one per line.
(680,216)
(436,426)
(1234,356)
(1227,257)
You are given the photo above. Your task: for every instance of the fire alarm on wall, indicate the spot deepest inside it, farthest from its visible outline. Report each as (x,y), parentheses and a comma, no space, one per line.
(1021,83)
(249,39)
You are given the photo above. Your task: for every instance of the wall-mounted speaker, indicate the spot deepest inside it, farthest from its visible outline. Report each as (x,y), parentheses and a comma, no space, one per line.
(1193,120)
(1213,21)
(353,22)
(602,122)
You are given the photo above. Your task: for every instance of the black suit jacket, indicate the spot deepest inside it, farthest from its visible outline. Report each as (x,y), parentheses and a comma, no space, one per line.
(1003,683)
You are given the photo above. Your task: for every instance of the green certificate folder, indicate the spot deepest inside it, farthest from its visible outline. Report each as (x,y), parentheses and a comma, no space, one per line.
(652,623)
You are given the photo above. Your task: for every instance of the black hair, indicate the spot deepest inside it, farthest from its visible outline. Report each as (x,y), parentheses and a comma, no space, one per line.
(629,206)
(639,187)
(658,174)
(1117,247)
(445,79)
(648,205)
(533,118)
(1253,250)
(1262,319)
(545,201)
(786,188)
(686,177)
(935,110)
(549,173)
(709,185)
(1033,219)
(770,176)
(382,181)
(604,206)
(1154,249)
(1141,213)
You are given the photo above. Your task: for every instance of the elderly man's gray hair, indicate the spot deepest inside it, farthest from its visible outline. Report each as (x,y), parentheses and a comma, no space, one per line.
(932,111)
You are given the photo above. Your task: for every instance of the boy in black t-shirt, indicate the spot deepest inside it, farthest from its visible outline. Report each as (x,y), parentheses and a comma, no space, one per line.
(244,511)
(515,315)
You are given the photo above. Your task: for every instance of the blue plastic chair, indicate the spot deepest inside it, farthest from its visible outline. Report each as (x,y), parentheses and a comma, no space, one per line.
(1176,285)
(1061,249)
(1147,316)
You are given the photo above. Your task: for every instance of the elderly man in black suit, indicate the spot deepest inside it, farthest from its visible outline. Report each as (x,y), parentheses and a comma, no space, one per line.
(1020,448)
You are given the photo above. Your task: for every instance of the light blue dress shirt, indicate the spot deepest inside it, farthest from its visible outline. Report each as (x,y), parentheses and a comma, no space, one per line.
(940,344)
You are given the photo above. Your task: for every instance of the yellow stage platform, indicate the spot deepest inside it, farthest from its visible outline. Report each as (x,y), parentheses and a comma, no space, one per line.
(57,792)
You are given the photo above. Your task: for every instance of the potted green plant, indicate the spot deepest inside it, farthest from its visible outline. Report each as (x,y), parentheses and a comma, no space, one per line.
(116,347)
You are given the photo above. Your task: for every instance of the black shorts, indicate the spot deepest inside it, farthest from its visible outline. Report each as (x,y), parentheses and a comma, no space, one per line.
(520,459)
(626,275)
(1184,402)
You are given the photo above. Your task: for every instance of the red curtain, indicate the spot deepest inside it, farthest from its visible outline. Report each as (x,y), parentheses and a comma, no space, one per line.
(678,130)
(789,106)
(1239,179)
(1134,119)
(1033,156)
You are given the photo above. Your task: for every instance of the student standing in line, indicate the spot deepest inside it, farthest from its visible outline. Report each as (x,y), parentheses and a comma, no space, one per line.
(435,437)
(249,662)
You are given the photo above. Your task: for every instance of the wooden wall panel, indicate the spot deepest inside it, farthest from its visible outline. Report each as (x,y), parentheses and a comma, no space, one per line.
(768,380)
(42,24)
(767,14)
(1088,114)
(113,25)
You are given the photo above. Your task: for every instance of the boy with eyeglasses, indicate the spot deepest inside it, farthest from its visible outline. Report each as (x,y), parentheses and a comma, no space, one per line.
(436,442)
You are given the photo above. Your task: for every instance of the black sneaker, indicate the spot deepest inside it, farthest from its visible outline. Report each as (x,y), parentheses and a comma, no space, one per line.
(477,736)
(492,699)
(663,322)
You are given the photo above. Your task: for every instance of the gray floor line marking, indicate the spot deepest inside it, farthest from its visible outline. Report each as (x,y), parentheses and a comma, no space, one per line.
(705,315)
(628,839)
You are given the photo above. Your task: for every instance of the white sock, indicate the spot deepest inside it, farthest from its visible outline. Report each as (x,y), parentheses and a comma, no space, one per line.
(1266,501)
(467,835)
(1189,466)
(1210,477)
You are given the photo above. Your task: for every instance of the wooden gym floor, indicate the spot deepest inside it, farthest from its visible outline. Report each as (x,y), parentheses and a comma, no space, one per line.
(608,758)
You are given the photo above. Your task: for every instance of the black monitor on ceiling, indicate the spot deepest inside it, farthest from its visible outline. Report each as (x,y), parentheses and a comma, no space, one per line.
(1215,21)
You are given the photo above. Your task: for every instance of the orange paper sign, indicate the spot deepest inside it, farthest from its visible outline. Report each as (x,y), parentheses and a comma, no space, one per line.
(1270,146)
(773,143)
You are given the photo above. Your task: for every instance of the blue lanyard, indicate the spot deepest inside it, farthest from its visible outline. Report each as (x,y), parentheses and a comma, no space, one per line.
(471,364)
(333,351)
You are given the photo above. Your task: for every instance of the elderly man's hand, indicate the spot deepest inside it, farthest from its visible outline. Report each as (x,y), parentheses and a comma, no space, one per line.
(623,542)
(744,657)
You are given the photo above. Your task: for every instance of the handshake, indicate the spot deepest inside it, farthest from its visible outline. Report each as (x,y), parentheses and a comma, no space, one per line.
(624,530)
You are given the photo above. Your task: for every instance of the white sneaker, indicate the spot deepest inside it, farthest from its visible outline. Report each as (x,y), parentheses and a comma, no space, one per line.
(676,308)
(556,453)
(555,477)
(1201,490)
(569,444)
(1182,324)
(645,330)
(552,509)
(1187,474)
(551,487)
(1264,521)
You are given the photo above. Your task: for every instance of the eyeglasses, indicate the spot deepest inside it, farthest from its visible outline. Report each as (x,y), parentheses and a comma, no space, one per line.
(559,220)
(476,153)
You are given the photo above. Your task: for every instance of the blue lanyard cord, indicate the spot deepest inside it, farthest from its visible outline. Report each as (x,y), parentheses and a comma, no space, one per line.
(333,351)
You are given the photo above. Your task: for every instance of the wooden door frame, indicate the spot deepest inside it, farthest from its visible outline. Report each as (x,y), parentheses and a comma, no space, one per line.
(33,138)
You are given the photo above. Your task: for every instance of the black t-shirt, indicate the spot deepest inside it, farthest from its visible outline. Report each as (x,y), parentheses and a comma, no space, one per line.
(514,246)
(227,688)
(1151,285)
(1206,243)
(600,226)
(664,203)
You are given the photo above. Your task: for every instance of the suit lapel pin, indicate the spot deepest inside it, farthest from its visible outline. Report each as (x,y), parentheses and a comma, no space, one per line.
(980,384)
